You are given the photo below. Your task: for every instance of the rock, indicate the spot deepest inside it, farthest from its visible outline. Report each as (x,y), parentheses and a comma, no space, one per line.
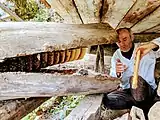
(158,89)
(137,113)
(108,114)
(124,117)
(154,112)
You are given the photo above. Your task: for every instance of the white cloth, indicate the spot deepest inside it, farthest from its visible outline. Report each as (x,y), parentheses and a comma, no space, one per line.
(146,67)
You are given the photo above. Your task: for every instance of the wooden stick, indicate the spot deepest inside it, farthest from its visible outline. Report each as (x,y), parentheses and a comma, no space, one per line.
(135,74)
(12,14)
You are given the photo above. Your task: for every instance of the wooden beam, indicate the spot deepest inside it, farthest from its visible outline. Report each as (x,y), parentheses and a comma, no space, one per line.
(31,37)
(116,11)
(89,10)
(109,49)
(17,109)
(145,37)
(148,22)
(67,10)
(140,9)
(155,29)
(100,59)
(46,3)
(16,17)
(88,109)
(24,85)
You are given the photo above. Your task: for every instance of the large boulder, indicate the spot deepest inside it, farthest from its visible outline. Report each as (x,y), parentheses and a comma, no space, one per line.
(154,112)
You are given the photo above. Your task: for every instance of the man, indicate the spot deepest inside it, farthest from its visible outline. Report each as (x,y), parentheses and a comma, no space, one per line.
(122,66)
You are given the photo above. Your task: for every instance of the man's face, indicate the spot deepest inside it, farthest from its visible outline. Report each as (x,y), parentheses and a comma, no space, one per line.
(124,41)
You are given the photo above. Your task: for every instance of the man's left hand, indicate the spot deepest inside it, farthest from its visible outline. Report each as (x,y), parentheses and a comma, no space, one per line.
(146,48)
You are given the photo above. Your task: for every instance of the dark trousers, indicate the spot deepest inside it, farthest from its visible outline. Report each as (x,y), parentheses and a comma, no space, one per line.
(141,97)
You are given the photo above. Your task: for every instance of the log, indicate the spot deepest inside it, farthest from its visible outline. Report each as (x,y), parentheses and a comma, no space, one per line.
(12,14)
(116,11)
(101,51)
(97,59)
(145,37)
(89,10)
(46,3)
(30,37)
(138,38)
(88,109)
(17,109)
(24,85)
(148,22)
(35,62)
(67,10)
(140,9)
(155,29)
(100,59)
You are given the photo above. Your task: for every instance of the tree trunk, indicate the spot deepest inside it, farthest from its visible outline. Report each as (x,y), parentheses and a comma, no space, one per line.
(101,51)
(97,58)
(100,59)
(17,109)
(24,85)
(29,37)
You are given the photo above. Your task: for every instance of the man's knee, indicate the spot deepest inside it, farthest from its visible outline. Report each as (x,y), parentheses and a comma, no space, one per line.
(117,101)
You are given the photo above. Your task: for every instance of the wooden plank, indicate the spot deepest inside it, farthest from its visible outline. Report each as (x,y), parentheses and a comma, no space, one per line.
(145,37)
(140,9)
(24,85)
(17,109)
(32,37)
(67,10)
(46,3)
(89,10)
(116,11)
(16,17)
(109,49)
(88,109)
(148,22)
(155,29)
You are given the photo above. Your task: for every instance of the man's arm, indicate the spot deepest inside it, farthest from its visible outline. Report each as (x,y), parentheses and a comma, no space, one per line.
(153,45)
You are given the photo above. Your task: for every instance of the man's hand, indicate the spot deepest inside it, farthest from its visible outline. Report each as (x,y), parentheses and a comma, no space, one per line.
(120,67)
(146,48)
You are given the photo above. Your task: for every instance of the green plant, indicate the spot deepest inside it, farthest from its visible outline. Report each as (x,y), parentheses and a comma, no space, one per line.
(25,9)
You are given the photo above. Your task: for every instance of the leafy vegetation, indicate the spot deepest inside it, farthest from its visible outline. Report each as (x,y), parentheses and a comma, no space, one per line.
(25,9)
(30,10)
(46,15)
(56,107)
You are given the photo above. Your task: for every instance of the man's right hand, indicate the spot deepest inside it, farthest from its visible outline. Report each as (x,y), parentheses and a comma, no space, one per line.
(120,67)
